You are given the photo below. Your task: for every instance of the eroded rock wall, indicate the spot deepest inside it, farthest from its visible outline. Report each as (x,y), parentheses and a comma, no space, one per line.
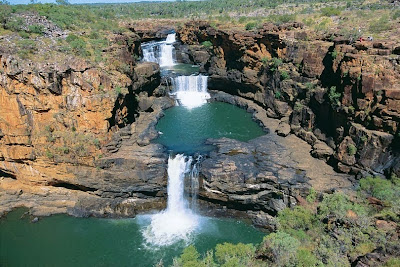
(63,124)
(340,97)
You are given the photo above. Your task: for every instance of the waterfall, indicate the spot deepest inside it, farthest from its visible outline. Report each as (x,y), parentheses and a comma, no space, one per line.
(160,52)
(190,91)
(177,222)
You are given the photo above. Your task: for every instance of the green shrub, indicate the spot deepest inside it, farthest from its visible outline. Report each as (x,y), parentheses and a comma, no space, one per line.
(242,19)
(351,150)
(234,255)
(264,61)
(278,95)
(280,19)
(251,25)
(396,14)
(380,188)
(49,154)
(190,257)
(280,247)
(380,25)
(97,143)
(274,63)
(24,34)
(337,205)
(298,218)
(207,44)
(310,86)
(312,195)
(39,29)
(334,96)
(64,150)
(284,75)
(305,258)
(118,90)
(330,11)
(298,106)
(14,24)
(334,54)
(392,262)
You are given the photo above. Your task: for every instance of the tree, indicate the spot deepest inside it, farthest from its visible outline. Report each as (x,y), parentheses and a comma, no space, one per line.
(62,2)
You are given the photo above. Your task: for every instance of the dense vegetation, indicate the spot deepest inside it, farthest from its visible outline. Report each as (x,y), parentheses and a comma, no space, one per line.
(329,230)
(90,26)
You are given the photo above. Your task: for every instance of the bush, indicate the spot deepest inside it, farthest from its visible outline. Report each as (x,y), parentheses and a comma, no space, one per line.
(382,189)
(189,257)
(334,96)
(264,61)
(380,25)
(334,54)
(280,248)
(312,195)
(225,254)
(396,14)
(330,11)
(351,150)
(14,24)
(284,75)
(24,34)
(298,218)
(310,86)
(305,258)
(39,29)
(207,44)
(275,63)
(234,255)
(251,25)
(338,205)
(118,90)
(78,45)
(280,19)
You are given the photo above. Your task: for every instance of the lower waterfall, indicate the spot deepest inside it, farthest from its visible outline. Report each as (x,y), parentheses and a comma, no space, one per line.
(178,221)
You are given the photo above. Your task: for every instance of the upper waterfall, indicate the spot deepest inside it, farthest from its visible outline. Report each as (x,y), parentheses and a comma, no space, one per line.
(190,91)
(160,52)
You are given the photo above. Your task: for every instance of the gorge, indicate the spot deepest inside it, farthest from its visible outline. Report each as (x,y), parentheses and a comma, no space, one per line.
(186,133)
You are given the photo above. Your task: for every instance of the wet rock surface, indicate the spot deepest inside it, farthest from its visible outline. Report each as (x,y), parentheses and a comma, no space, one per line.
(266,174)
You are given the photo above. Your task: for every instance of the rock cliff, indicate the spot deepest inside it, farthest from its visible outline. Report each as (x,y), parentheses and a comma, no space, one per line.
(62,127)
(338,95)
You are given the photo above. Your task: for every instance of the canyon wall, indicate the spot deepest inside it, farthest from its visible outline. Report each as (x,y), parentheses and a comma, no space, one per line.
(62,126)
(341,97)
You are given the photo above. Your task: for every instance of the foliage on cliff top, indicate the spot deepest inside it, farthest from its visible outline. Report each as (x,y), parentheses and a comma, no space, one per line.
(337,231)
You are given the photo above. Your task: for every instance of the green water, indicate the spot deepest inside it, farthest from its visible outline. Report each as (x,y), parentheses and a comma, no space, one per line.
(180,69)
(62,240)
(185,130)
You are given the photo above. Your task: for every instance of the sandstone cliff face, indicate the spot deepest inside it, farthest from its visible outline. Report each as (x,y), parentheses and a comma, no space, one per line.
(63,123)
(327,90)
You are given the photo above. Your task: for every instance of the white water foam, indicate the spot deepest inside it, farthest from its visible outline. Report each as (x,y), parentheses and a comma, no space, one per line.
(160,52)
(191,91)
(177,222)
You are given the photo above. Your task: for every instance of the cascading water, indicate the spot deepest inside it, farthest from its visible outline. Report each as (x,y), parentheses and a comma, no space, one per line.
(178,222)
(160,52)
(190,91)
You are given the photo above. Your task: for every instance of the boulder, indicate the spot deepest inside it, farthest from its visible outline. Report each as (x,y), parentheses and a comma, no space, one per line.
(321,150)
(283,129)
